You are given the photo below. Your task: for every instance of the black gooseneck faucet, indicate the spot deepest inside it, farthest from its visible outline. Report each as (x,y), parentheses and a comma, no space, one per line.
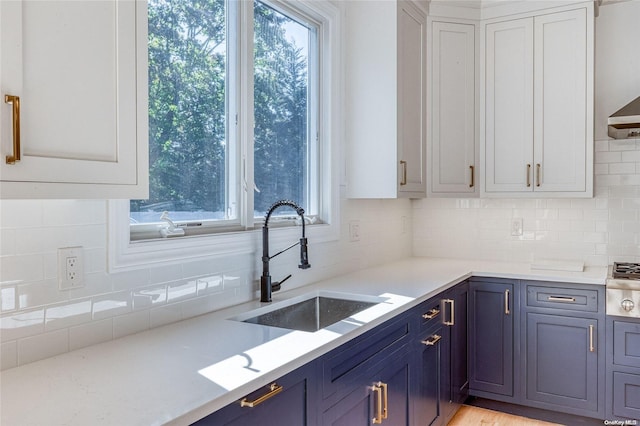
(266,286)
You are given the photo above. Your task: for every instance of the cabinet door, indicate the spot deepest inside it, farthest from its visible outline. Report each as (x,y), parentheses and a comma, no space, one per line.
(452,113)
(433,383)
(79,68)
(626,343)
(491,337)
(562,361)
(509,106)
(459,370)
(626,395)
(381,396)
(560,128)
(411,100)
(293,405)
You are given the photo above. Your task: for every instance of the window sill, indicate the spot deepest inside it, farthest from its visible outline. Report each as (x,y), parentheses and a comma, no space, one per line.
(125,255)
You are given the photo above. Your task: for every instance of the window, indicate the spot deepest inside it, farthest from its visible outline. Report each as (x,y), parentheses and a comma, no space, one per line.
(198,161)
(243,111)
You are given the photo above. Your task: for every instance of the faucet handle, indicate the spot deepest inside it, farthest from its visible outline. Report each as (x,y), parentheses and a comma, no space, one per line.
(276,285)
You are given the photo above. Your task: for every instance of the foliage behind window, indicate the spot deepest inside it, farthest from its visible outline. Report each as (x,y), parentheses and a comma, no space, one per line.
(189,87)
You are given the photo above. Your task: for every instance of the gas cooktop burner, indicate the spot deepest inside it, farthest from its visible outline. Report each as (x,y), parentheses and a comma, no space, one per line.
(626,270)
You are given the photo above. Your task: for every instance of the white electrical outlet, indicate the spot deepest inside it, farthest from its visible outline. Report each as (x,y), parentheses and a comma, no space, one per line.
(516,227)
(354,230)
(70,268)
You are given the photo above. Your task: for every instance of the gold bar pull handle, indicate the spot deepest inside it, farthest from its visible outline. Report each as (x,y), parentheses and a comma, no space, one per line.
(472,184)
(538,174)
(451,320)
(431,341)
(592,347)
(385,399)
(15,102)
(528,175)
(404,172)
(431,314)
(377,388)
(507,311)
(274,389)
(565,299)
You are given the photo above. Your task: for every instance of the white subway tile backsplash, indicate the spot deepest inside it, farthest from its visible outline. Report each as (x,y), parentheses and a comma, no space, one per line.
(622,168)
(67,314)
(132,323)
(39,293)
(145,298)
(9,355)
(596,231)
(21,324)
(631,156)
(165,273)
(74,212)
(165,315)
(181,290)
(90,333)
(7,242)
(43,346)
(111,304)
(622,145)
(8,299)
(602,181)
(19,269)
(21,213)
(601,169)
(209,285)
(608,157)
(630,180)
(129,280)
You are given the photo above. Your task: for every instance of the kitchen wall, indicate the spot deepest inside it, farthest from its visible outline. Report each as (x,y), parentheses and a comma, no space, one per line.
(596,231)
(39,321)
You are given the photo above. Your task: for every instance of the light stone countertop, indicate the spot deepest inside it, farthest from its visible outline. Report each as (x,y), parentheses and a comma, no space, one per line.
(177,374)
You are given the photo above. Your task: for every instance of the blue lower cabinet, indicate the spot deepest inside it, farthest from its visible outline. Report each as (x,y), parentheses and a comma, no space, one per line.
(562,362)
(626,395)
(381,395)
(434,382)
(492,338)
(442,381)
(288,401)
(623,368)
(626,343)
(457,325)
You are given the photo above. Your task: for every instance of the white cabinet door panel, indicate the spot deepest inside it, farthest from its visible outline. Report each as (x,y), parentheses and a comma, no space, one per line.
(411,105)
(78,67)
(509,105)
(561,101)
(453,127)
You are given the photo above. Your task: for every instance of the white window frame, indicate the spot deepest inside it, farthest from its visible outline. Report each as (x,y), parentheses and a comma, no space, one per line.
(126,255)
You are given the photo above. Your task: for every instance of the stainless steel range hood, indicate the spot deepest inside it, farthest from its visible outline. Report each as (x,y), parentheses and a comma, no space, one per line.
(625,123)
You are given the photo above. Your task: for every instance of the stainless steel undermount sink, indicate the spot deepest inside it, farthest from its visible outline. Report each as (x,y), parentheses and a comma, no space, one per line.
(313,313)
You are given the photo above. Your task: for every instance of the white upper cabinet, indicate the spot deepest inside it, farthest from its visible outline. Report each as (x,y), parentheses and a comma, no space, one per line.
(451,128)
(79,69)
(509,105)
(385,99)
(538,105)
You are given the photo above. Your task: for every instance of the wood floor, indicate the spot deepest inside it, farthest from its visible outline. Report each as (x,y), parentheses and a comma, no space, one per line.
(471,416)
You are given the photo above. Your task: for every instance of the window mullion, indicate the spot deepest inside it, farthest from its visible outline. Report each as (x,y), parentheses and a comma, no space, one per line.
(246,120)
